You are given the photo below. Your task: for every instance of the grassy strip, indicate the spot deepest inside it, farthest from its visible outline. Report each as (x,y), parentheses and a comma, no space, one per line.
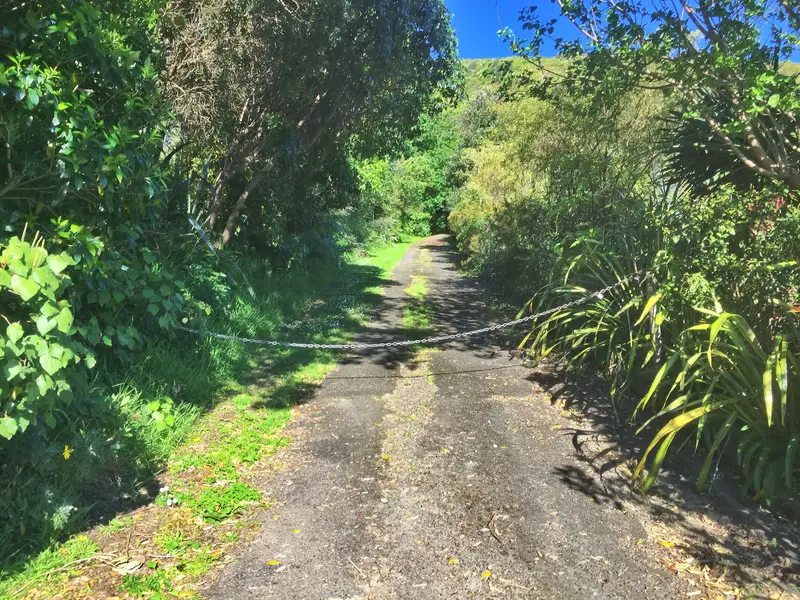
(417,315)
(212,450)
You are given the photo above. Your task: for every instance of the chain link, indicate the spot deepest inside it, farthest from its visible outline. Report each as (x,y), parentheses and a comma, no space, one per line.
(428,340)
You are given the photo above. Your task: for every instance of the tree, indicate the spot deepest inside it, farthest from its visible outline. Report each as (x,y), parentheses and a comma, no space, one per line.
(266,83)
(723,59)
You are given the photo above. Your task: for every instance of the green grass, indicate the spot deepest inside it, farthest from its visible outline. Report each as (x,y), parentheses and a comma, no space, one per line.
(416,317)
(213,443)
(115,525)
(418,288)
(48,571)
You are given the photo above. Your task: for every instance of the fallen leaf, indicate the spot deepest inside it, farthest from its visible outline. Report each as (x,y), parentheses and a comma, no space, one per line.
(486,574)
(273,562)
(295,531)
(666,543)
(453,561)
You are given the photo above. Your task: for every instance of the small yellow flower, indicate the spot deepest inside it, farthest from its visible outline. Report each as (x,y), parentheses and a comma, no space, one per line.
(67,452)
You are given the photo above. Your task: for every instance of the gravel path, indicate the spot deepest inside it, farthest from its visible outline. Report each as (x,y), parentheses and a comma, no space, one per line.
(443,473)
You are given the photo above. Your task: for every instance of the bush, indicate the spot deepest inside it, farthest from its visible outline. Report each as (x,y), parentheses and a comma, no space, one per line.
(562,201)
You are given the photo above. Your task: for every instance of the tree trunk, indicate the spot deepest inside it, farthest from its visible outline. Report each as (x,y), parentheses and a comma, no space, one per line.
(233,218)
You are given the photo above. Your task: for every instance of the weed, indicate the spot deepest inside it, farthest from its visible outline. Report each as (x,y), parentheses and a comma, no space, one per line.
(418,288)
(229,537)
(217,504)
(116,525)
(156,586)
(416,317)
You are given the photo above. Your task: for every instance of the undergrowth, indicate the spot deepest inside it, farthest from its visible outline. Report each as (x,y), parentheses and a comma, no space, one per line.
(172,412)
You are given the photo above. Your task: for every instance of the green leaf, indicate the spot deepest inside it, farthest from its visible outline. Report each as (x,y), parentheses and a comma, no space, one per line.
(673,426)
(662,372)
(65,320)
(781,374)
(50,420)
(50,364)
(648,307)
(8,427)
(26,288)
(59,262)
(45,278)
(766,382)
(14,332)
(33,98)
(49,309)
(12,368)
(44,383)
(45,325)
(722,433)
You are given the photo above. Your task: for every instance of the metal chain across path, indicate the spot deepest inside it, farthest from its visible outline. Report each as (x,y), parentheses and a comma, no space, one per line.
(423,341)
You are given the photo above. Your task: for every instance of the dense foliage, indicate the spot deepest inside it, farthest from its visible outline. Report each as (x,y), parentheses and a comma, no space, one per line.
(193,161)
(139,138)
(663,143)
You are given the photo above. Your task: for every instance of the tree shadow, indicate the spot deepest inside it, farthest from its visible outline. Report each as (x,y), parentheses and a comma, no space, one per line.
(717,529)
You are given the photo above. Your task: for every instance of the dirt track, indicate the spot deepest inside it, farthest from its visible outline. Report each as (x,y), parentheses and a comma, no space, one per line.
(453,474)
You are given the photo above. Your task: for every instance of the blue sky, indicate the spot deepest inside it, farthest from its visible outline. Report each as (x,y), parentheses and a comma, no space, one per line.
(476,23)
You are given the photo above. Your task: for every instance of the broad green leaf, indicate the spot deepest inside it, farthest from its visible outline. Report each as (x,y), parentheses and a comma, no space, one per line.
(65,320)
(50,364)
(26,288)
(59,262)
(49,309)
(33,98)
(14,332)
(45,325)
(45,278)
(8,427)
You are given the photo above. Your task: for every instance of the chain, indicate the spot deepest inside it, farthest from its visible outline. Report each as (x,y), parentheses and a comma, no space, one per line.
(429,340)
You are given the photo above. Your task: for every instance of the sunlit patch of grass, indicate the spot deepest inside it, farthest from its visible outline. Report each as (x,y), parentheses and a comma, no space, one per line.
(418,288)
(416,317)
